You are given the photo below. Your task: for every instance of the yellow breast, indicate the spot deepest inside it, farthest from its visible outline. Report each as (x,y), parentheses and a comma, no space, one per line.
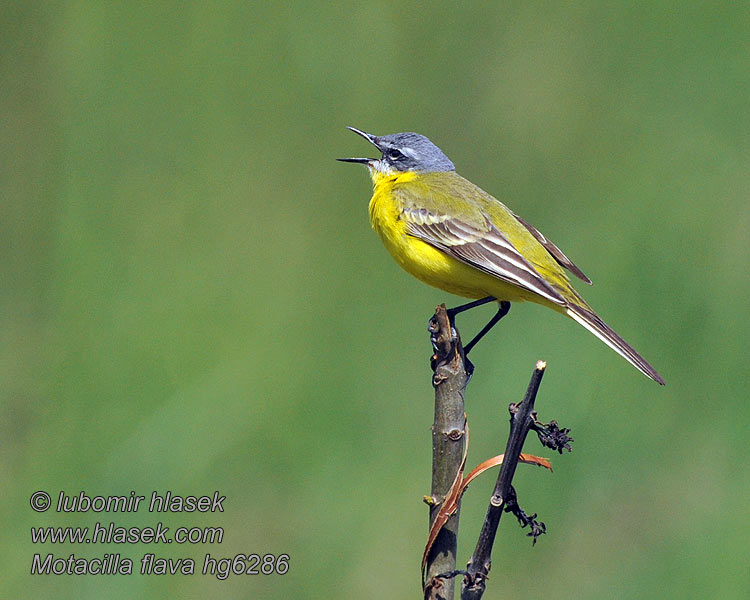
(419,258)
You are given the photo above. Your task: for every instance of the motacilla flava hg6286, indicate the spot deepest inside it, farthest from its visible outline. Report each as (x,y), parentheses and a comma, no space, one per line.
(453,235)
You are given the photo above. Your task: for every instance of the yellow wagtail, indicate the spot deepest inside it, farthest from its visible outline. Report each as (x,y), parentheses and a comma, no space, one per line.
(453,235)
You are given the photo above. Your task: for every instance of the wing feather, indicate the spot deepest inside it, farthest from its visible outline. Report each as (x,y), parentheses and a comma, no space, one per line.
(484,248)
(556,253)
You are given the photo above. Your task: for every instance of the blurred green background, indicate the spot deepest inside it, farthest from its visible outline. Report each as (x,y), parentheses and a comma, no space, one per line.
(192,298)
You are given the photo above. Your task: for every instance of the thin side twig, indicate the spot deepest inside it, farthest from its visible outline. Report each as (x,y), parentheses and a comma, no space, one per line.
(504,497)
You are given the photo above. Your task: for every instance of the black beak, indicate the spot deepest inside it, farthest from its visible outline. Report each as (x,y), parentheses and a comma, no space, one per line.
(373,139)
(370,138)
(363,161)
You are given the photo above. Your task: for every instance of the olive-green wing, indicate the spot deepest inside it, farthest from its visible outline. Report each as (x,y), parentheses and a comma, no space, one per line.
(556,253)
(471,238)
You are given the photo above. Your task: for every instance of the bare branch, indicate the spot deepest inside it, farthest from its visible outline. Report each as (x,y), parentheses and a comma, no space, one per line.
(504,496)
(451,375)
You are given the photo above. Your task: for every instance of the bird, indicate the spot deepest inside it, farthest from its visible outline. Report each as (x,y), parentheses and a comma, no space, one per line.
(451,234)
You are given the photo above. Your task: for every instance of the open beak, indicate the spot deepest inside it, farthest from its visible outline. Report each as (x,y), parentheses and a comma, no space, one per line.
(370,138)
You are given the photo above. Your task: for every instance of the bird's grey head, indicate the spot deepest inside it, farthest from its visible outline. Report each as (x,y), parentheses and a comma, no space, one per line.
(403,152)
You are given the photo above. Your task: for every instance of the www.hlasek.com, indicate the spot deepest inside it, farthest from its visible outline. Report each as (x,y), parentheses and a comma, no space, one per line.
(149,563)
(113,534)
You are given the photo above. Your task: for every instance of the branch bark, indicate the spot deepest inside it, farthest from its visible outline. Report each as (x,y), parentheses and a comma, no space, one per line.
(451,375)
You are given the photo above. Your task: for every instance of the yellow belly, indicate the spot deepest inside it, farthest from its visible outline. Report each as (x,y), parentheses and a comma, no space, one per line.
(429,264)
(442,271)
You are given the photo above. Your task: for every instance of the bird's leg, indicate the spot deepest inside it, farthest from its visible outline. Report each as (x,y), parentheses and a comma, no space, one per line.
(452,312)
(502,310)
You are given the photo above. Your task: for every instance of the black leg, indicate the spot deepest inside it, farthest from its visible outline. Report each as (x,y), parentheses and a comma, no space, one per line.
(502,310)
(452,312)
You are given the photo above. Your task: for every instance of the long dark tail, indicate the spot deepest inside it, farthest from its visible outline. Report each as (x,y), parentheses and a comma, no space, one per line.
(605,333)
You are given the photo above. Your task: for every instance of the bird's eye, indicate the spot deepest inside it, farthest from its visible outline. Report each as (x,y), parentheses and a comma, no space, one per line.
(394,154)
